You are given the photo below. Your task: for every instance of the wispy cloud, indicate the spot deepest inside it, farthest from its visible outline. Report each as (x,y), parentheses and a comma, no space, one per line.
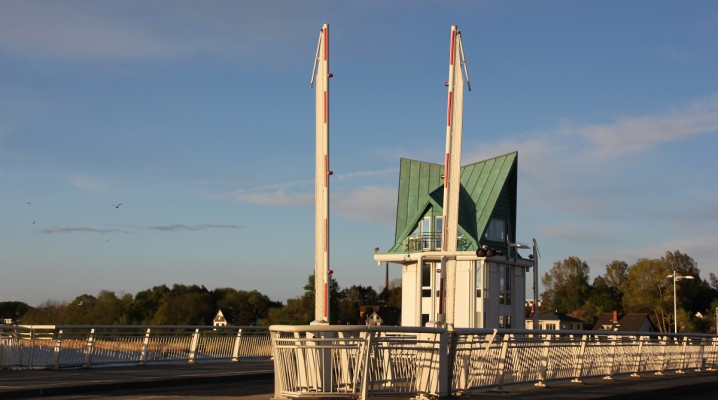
(296,194)
(582,144)
(629,135)
(366,174)
(129,229)
(79,30)
(368,204)
(142,30)
(200,227)
(80,229)
(88,183)
(276,198)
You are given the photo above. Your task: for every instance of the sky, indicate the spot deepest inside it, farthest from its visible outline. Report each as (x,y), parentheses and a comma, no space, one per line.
(172,142)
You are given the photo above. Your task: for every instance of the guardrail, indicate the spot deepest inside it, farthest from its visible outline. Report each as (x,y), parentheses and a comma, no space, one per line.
(356,361)
(364,362)
(58,346)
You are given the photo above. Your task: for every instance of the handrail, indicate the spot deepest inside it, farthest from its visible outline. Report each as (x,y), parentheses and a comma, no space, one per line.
(314,360)
(57,346)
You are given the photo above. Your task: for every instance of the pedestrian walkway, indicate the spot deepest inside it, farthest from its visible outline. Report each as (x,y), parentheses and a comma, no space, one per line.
(47,382)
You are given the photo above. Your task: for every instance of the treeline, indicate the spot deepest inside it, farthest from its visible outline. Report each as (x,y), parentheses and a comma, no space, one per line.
(196,305)
(643,287)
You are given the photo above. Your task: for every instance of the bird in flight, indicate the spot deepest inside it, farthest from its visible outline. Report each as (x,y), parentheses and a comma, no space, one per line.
(117,205)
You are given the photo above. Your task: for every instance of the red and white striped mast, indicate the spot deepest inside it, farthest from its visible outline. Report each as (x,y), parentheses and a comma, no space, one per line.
(452,177)
(320,80)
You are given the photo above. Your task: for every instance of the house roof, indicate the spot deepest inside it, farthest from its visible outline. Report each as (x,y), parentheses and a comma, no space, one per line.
(557,316)
(628,322)
(482,183)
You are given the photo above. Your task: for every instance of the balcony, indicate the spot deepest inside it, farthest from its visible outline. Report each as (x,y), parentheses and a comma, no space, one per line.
(431,242)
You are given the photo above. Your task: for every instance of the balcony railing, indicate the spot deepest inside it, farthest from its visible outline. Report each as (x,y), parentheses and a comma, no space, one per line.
(431,242)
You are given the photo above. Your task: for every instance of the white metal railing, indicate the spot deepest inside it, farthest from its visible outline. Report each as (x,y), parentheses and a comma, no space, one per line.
(356,361)
(364,362)
(493,358)
(56,346)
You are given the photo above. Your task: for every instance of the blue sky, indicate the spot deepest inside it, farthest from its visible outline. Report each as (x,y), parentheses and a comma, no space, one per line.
(198,117)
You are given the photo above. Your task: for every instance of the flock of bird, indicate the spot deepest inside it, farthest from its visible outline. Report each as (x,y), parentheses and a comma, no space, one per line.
(34,221)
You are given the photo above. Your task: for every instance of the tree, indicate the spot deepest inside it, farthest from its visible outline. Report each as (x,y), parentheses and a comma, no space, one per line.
(13,309)
(351,299)
(615,274)
(647,290)
(244,308)
(566,285)
(308,299)
(392,295)
(47,313)
(186,305)
(144,306)
(602,298)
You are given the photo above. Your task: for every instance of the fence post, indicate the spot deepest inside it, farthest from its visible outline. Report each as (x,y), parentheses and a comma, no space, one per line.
(32,347)
(639,356)
(58,348)
(365,374)
(145,347)
(611,366)
(502,359)
(281,366)
(712,355)
(193,347)
(89,347)
(543,370)
(580,359)
(683,356)
(237,345)
(664,363)
(453,338)
(701,356)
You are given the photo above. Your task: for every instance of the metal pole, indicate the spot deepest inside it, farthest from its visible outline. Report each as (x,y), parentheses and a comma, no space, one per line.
(536,305)
(675,305)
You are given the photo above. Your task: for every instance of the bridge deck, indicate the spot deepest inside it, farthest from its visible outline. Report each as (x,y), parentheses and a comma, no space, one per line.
(37,383)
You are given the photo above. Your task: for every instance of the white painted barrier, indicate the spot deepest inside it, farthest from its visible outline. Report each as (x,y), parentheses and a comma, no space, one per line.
(58,346)
(365,362)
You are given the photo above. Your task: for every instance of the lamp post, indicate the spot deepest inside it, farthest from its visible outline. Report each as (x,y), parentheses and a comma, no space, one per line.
(676,277)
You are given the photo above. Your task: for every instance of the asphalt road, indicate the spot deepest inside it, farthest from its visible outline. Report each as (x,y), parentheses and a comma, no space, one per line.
(254,381)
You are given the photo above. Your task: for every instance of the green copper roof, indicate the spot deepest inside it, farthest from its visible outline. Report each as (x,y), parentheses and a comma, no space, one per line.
(487,187)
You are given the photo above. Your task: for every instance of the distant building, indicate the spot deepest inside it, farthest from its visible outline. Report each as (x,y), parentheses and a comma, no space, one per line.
(220,319)
(625,322)
(556,321)
(490,274)
(379,315)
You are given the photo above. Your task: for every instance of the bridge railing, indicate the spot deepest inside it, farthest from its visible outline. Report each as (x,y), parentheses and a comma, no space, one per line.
(356,361)
(364,362)
(494,358)
(58,346)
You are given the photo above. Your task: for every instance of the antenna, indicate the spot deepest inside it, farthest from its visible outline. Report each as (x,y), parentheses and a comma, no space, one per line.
(463,61)
(316,58)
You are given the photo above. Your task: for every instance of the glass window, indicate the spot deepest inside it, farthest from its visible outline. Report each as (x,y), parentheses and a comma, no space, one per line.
(438,231)
(495,230)
(426,232)
(425,275)
(505,278)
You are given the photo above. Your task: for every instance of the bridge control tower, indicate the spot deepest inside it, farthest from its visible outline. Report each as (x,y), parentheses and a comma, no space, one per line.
(455,231)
